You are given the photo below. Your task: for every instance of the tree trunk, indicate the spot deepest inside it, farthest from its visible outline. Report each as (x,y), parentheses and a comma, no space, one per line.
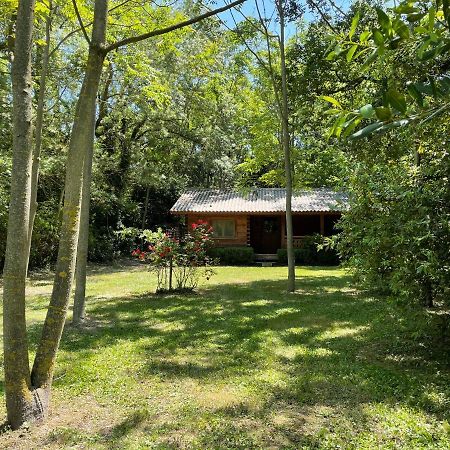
(38,129)
(144,216)
(20,404)
(81,143)
(287,154)
(427,289)
(79,303)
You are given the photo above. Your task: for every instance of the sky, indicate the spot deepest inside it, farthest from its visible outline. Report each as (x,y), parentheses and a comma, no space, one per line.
(249,10)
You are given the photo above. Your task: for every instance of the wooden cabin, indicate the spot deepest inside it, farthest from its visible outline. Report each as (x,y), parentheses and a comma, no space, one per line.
(257,218)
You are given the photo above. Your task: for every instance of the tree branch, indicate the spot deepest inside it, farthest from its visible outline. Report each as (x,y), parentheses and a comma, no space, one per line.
(323,15)
(70,34)
(177,26)
(80,21)
(269,59)
(335,6)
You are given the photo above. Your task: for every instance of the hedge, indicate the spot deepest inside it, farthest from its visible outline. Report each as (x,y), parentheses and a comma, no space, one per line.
(233,255)
(308,254)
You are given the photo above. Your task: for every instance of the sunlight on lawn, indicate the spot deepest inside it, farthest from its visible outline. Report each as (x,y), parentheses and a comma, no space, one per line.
(240,364)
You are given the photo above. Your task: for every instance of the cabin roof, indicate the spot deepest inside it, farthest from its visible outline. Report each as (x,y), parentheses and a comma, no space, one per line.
(261,200)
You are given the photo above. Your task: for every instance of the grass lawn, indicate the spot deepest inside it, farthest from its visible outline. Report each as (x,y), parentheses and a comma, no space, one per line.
(242,364)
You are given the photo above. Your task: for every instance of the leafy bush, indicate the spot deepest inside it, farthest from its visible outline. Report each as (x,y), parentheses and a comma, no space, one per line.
(233,256)
(102,246)
(310,253)
(45,239)
(178,264)
(396,234)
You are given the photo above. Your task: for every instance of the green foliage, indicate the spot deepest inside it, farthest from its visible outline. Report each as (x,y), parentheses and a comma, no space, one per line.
(178,263)
(233,256)
(45,239)
(309,253)
(172,114)
(396,234)
(416,33)
(104,246)
(396,231)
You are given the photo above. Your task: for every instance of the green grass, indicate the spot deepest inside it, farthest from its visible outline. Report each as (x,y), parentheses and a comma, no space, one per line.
(242,365)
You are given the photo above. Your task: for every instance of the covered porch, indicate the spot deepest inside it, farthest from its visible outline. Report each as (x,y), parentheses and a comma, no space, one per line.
(267,233)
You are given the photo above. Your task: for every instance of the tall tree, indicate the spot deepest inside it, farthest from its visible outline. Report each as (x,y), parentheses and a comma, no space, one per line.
(21,403)
(105,49)
(276,71)
(39,124)
(286,142)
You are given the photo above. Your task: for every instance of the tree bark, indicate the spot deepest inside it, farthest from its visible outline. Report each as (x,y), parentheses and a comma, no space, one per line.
(79,303)
(38,129)
(20,402)
(287,153)
(81,142)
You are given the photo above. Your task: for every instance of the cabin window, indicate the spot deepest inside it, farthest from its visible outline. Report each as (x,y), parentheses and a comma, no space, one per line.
(306,225)
(223,228)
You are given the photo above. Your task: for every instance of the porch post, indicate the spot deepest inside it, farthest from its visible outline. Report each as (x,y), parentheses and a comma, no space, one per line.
(322,224)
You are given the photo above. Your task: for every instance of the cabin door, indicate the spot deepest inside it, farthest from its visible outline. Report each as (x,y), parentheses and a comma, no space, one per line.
(265,234)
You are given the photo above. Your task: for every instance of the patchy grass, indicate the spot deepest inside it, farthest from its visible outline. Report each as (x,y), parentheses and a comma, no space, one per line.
(242,365)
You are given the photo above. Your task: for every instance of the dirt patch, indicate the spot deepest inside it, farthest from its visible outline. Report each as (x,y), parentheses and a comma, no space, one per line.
(67,422)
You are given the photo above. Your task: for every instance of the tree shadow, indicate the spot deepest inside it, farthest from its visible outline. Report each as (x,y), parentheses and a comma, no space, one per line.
(332,345)
(351,348)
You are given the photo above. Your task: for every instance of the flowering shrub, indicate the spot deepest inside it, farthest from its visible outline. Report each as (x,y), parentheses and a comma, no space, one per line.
(179,264)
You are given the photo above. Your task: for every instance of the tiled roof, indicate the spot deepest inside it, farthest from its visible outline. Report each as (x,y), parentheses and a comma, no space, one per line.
(264,200)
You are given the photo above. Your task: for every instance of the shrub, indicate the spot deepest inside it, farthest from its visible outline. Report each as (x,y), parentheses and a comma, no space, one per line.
(396,235)
(309,253)
(178,264)
(102,246)
(233,255)
(45,239)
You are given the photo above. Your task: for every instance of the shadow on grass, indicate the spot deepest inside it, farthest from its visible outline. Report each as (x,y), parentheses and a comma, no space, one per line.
(332,344)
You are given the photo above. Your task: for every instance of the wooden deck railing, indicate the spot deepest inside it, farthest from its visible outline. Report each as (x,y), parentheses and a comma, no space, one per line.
(297,240)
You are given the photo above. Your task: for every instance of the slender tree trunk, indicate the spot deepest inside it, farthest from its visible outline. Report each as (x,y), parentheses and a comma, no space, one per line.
(20,401)
(144,216)
(285,139)
(79,303)
(38,129)
(81,143)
